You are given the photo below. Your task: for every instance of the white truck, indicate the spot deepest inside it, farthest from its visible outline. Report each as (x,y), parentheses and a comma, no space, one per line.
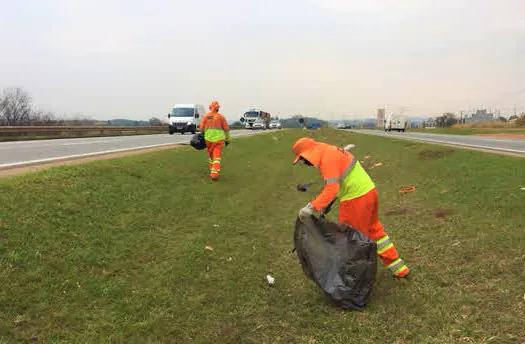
(185,118)
(250,116)
(396,122)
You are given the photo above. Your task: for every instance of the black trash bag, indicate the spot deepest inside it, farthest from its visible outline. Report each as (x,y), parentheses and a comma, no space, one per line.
(197,141)
(339,259)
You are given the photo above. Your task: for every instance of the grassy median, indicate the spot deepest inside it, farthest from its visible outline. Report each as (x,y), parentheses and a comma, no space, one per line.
(471,131)
(115,251)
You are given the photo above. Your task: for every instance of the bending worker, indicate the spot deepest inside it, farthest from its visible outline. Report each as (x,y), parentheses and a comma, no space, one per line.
(345,178)
(216,133)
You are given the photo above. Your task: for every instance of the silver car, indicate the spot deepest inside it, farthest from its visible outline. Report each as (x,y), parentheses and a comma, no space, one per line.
(259,124)
(275,124)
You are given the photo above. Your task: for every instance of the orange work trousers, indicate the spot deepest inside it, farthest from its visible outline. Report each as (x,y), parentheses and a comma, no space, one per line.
(361,213)
(214,154)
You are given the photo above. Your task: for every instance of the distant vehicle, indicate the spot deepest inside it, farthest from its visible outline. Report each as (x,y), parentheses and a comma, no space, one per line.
(275,124)
(396,122)
(185,118)
(341,126)
(251,116)
(259,124)
(314,126)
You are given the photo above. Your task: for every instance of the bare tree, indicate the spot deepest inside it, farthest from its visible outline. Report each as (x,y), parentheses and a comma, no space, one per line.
(15,107)
(42,118)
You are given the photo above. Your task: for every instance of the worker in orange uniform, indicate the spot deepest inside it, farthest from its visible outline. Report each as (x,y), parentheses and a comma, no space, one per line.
(216,134)
(346,179)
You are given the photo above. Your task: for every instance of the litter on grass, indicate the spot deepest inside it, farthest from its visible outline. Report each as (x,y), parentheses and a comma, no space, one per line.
(408,189)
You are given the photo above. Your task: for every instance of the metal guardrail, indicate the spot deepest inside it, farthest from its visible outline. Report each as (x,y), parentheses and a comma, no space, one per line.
(67,131)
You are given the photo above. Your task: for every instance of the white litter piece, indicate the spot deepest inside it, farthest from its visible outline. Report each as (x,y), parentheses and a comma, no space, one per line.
(348,147)
(270,279)
(522,189)
(216,226)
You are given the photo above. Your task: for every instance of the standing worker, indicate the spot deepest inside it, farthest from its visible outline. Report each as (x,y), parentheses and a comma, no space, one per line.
(345,178)
(216,133)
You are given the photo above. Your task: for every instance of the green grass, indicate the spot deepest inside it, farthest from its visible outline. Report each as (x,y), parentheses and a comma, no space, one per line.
(470,131)
(113,251)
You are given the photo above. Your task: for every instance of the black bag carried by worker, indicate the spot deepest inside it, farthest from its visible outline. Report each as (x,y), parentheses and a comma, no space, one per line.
(197,141)
(339,259)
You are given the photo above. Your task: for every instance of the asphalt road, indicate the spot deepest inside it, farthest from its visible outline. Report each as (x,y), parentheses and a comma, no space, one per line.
(25,153)
(516,146)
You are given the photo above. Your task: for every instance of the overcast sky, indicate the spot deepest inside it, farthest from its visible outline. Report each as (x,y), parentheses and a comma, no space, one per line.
(331,58)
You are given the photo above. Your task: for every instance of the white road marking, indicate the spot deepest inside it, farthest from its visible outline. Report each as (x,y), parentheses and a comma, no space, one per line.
(510,150)
(76,156)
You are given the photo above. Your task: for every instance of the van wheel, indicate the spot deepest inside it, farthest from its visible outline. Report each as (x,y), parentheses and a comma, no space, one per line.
(182,132)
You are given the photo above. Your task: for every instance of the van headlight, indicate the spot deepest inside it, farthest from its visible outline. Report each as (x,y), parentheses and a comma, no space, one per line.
(189,123)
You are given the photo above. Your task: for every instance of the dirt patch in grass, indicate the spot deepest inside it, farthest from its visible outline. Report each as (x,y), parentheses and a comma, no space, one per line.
(442,213)
(393,212)
(434,154)
(226,331)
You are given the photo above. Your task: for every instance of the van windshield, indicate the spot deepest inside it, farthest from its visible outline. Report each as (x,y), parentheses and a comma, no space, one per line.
(251,114)
(182,112)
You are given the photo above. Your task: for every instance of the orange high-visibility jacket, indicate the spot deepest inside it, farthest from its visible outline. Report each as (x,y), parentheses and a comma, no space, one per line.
(215,127)
(343,174)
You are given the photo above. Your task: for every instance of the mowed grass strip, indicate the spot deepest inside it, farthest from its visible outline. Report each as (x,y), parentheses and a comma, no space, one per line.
(114,251)
(470,131)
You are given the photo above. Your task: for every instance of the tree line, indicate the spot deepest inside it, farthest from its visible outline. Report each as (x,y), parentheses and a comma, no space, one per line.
(16,109)
(449,119)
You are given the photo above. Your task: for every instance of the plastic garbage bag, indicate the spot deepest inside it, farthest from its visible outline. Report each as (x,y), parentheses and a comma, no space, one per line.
(339,259)
(197,141)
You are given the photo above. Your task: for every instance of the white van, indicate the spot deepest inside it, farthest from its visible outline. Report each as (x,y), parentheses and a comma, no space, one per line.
(396,122)
(185,118)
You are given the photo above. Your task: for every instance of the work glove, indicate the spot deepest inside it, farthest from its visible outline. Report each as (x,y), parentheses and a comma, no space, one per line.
(306,212)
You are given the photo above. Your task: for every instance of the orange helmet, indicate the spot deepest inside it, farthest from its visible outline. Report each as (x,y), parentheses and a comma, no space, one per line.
(301,146)
(214,106)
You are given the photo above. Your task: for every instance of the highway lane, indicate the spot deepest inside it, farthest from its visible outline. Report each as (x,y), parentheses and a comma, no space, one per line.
(516,146)
(25,153)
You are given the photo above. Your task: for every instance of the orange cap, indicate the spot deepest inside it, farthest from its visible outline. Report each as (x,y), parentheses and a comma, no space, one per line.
(301,146)
(214,106)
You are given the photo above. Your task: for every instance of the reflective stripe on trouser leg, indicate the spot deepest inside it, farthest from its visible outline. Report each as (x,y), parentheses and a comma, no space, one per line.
(388,254)
(398,267)
(216,160)
(215,169)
